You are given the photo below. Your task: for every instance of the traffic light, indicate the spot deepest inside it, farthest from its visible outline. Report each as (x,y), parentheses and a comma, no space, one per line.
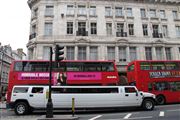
(58,53)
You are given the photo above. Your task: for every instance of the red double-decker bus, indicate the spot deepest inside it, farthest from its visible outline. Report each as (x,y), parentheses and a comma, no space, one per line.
(68,73)
(159,77)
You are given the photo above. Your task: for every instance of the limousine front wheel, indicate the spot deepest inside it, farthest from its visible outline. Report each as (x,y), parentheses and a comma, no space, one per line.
(21,108)
(148,104)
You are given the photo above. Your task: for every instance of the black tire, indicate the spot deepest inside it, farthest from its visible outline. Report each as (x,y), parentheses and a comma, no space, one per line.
(21,108)
(160,100)
(148,104)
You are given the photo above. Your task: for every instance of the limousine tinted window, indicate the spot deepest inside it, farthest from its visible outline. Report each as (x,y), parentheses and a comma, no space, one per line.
(37,90)
(20,90)
(130,90)
(84,90)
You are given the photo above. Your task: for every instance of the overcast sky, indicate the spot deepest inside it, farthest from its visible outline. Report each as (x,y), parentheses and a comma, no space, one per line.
(14,23)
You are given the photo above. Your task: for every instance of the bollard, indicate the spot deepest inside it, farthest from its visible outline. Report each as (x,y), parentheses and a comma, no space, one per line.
(73,108)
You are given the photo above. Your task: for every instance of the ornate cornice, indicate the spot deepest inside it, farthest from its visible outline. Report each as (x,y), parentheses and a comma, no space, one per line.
(32,2)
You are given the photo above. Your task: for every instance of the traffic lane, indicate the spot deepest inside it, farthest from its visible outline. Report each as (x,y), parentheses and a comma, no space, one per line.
(159,113)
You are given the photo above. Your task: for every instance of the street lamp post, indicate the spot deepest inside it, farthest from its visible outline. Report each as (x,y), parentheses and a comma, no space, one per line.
(49,107)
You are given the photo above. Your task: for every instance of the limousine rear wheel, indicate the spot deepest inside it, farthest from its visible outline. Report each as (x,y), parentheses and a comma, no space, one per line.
(21,108)
(148,104)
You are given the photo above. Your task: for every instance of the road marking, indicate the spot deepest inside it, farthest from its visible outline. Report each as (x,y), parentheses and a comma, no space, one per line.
(96,117)
(161,114)
(127,116)
(138,118)
(173,110)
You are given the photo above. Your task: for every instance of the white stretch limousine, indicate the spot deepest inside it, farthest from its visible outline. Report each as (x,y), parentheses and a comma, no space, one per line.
(26,98)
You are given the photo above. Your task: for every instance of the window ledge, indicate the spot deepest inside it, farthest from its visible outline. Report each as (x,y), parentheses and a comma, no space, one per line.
(177,19)
(154,18)
(130,17)
(109,16)
(144,18)
(119,16)
(80,15)
(70,15)
(49,16)
(163,19)
(93,16)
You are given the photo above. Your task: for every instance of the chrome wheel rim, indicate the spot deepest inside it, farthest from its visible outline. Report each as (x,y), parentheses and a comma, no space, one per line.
(149,105)
(20,109)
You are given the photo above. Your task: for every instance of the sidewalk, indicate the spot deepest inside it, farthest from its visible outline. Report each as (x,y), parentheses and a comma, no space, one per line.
(2,105)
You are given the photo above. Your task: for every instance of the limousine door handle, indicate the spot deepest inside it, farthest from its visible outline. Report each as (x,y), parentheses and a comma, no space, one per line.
(30,95)
(126,94)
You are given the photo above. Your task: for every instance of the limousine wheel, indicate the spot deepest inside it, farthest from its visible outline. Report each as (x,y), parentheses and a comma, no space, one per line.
(21,108)
(148,104)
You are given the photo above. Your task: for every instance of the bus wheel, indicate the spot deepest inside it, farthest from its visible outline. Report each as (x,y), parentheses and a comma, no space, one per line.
(148,104)
(21,108)
(160,100)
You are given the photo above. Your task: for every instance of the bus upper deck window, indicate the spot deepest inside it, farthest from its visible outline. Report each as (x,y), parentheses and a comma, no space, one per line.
(145,66)
(158,66)
(171,66)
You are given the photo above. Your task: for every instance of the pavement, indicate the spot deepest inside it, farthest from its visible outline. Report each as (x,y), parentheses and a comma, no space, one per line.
(55,117)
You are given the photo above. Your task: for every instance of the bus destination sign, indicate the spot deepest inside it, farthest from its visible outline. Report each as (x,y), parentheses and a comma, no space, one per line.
(164,74)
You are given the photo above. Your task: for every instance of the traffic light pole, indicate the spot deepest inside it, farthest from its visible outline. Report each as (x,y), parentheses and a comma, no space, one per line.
(49,106)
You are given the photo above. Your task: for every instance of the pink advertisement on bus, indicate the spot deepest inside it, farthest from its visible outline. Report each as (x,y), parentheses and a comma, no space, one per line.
(84,76)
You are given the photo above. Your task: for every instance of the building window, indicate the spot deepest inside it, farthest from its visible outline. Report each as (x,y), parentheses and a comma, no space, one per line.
(168,53)
(93,53)
(178,31)
(162,14)
(81,10)
(159,53)
(81,29)
(120,29)
(118,11)
(148,52)
(122,54)
(69,27)
(46,53)
(111,53)
(133,55)
(70,53)
(92,11)
(152,13)
(175,15)
(49,10)
(155,31)
(165,30)
(143,13)
(93,28)
(131,29)
(129,12)
(145,29)
(48,29)
(70,10)
(109,28)
(81,53)
(108,11)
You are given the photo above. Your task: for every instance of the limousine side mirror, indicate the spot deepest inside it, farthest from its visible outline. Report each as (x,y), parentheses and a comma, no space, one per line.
(136,93)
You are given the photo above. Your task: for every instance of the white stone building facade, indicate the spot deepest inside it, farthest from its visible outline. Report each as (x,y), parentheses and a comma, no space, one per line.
(120,30)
